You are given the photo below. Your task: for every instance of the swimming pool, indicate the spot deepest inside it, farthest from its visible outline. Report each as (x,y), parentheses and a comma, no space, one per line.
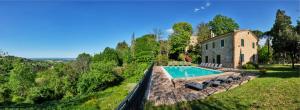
(188,71)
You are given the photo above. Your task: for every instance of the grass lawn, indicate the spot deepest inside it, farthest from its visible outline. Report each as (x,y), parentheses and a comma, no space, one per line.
(279,88)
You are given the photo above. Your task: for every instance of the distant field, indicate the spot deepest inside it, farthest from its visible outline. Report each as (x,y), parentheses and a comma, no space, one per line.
(279,88)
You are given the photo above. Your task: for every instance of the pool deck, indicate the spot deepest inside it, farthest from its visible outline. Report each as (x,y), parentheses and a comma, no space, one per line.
(165,91)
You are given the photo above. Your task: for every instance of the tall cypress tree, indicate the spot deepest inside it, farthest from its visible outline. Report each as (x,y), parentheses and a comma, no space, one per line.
(285,38)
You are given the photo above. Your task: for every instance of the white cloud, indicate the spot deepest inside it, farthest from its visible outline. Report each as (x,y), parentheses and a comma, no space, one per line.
(196,9)
(262,41)
(202,7)
(170,31)
(207,4)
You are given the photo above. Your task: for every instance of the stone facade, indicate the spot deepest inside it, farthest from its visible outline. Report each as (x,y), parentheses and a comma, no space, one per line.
(228,50)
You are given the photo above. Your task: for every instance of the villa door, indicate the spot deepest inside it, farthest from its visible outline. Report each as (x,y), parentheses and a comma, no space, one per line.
(219,59)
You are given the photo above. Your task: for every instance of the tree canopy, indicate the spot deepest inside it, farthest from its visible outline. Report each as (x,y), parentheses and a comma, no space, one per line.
(146,48)
(203,32)
(285,36)
(222,24)
(179,40)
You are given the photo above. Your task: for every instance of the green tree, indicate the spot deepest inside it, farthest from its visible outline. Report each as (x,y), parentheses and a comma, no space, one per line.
(146,48)
(70,79)
(100,77)
(222,24)
(297,28)
(203,32)
(20,80)
(108,55)
(264,56)
(123,51)
(82,62)
(285,38)
(258,33)
(180,38)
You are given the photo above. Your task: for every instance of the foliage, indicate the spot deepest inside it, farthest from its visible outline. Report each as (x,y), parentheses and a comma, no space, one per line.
(123,52)
(195,53)
(222,24)
(285,38)
(134,71)
(250,65)
(146,48)
(100,77)
(82,62)
(258,33)
(162,59)
(263,56)
(109,54)
(180,38)
(21,78)
(203,32)
(181,57)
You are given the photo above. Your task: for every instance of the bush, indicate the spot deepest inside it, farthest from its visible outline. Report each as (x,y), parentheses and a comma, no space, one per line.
(162,60)
(250,65)
(100,77)
(134,71)
(181,57)
(263,71)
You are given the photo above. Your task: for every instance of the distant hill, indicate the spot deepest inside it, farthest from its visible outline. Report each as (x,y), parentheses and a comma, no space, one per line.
(53,59)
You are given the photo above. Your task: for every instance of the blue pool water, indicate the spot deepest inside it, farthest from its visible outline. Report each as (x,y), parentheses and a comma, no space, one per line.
(188,71)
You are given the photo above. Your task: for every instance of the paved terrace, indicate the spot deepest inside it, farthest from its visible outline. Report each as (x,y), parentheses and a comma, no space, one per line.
(163,91)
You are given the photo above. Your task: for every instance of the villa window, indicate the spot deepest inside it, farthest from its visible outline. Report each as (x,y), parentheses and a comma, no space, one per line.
(213,45)
(206,59)
(253,58)
(206,46)
(253,45)
(242,57)
(214,60)
(222,43)
(242,42)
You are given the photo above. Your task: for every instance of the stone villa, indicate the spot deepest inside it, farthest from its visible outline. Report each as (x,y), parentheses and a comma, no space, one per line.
(232,49)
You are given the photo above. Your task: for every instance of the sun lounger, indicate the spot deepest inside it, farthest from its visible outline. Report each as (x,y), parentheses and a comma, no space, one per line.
(216,83)
(208,65)
(196,86)
(235,77)
(218,67)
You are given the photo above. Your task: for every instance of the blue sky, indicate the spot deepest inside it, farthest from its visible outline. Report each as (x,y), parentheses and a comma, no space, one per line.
(67,28)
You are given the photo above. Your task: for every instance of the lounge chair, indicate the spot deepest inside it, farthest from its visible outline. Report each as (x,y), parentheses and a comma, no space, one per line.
(235,77)
(218,67)
(208,65)
(213,65)
(225,80)
(196,86)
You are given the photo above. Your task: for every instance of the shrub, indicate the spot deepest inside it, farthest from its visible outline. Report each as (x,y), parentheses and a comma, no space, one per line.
(263,71)
(250,65)
(162,60)
(134,71)
(181,57)
(100,77)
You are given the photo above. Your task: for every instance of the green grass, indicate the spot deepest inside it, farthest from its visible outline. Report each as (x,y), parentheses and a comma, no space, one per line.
(279,88)
(108,99)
